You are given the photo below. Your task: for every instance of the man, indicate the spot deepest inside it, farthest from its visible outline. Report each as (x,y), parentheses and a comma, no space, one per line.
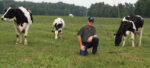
(87,37)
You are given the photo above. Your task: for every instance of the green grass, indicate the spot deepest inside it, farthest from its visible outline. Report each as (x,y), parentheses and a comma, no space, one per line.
(43,51)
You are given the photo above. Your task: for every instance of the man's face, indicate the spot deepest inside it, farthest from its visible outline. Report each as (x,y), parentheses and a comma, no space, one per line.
(90,23)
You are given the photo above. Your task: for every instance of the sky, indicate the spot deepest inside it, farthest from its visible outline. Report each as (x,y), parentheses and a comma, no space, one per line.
(85,3)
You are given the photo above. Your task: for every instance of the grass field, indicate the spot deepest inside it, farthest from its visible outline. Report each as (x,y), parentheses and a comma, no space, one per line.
(43,51)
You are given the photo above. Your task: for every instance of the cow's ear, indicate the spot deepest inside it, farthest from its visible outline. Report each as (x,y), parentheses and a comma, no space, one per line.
(5,10)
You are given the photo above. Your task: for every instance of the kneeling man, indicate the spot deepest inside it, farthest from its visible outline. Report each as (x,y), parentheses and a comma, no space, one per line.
(87,37)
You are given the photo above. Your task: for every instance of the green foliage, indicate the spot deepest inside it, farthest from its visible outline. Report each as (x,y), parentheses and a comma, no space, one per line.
(104,10)
(43,51)
(45,8)
(142,8)
(1,7)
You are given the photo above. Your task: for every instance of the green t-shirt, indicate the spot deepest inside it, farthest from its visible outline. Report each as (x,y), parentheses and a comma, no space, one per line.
(85,33)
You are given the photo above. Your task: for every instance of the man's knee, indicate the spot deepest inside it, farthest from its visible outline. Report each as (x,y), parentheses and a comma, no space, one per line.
(83,53)
(95,40)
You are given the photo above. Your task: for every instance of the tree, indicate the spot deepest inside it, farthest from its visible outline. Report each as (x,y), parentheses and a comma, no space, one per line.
(142,8)
(1,7)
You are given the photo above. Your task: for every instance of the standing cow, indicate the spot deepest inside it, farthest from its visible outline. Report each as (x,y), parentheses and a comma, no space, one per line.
(71,15)
(58,25)
(130,25)
(22,21)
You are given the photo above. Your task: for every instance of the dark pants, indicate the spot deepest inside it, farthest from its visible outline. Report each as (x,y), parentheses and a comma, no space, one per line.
(87,45)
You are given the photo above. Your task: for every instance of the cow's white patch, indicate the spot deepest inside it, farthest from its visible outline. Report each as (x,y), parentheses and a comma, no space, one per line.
(140,17)
(21,28)
(12,19)
(27,14)
(56,34)
(124,19)
(133,25)
(128,32)
(139,29)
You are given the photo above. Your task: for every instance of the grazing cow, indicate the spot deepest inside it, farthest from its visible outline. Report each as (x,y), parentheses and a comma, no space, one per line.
(22,21)
(130,25)
(58,25)
(71,15)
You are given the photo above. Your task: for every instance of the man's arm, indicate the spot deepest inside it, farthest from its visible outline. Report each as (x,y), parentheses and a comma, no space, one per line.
(95,36)
(80,42)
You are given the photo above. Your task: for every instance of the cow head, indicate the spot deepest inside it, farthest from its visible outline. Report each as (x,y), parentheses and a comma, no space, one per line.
(57,29)
(9,14)
(118,39)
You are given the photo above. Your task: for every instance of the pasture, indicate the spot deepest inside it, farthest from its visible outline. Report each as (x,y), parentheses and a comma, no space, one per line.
(43,51)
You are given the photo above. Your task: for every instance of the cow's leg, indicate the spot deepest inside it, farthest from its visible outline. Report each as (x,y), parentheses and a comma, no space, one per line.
(17,40)
(136,39)
(141,32)
(21,31)
(132,38)
(17,32)
(56,34)
(59,33)
(25,34)
(20,35)
(124,40)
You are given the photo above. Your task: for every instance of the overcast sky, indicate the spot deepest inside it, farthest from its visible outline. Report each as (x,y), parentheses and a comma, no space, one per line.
(85,3)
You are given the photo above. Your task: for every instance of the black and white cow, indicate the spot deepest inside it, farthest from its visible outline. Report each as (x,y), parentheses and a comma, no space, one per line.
(71,15)
(58,25)
(130,25)
(22,21)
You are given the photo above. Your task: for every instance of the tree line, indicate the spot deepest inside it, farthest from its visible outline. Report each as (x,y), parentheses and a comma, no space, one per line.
(141,7)
(104,10)
(45,8)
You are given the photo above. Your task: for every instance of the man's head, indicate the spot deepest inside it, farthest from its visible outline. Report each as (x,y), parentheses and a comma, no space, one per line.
(90,21)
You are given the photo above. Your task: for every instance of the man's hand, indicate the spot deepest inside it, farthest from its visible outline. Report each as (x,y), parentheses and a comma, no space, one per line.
(82,47)
(95,36)
(90,39)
